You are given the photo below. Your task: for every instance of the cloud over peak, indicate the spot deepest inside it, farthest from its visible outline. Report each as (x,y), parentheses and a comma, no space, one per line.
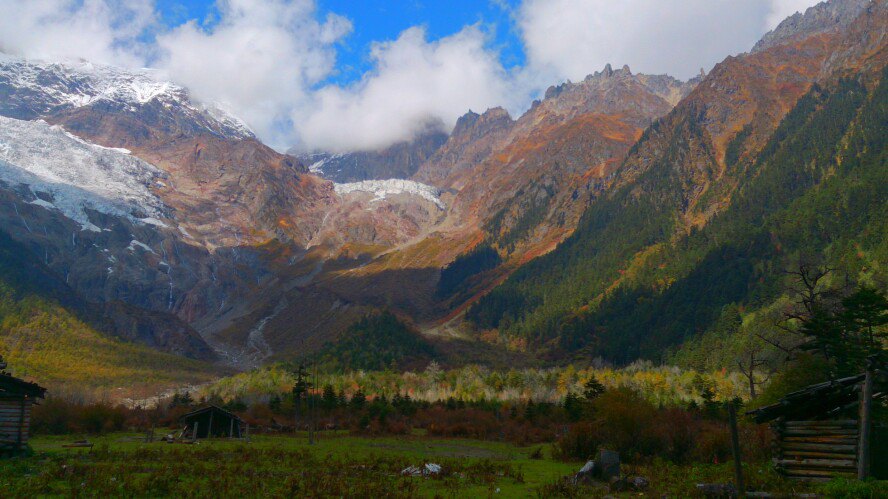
(414,84)
(259,60)
(271,61)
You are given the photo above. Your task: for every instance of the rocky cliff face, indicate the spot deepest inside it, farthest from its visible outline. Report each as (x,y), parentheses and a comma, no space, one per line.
(474,138)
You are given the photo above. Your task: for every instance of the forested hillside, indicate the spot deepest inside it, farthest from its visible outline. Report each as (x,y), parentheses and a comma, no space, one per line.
(634,279)
(377,342)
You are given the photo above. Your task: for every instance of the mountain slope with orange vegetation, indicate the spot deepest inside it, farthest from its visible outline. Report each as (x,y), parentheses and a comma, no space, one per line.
(751,171)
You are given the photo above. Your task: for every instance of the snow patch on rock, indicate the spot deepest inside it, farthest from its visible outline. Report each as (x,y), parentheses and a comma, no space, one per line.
(320,160)
(381,189)
(135,243)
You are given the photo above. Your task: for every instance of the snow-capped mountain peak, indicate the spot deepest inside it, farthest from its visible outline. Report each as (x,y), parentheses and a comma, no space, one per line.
(34,89)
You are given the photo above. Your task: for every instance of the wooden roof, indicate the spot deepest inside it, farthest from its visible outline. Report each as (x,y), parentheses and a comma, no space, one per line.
(14,387)
(211,408)
(820,401)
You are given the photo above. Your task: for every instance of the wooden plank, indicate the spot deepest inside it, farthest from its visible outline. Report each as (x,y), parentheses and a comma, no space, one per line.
(22,422)
(827,423)
(820,435)
(850,470)
(735,450)
(14,430)
(801,452)
(806,454)
(816,464)
(866,397)
(791,446)
(829,439)
(819,429)
(806,432)
(820,473)
(818,455)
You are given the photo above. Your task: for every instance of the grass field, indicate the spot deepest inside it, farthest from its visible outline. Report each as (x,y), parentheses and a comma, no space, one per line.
(280,466)
(339,465)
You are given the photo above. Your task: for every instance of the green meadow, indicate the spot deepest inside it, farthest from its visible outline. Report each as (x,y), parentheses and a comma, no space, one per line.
(337,465)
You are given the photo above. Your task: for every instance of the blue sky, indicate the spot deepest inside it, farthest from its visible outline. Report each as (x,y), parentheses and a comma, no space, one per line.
(382,20)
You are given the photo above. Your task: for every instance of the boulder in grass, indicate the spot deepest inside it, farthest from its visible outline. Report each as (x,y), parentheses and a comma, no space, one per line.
(726,490)
(619,484)
(639,483)
(427,469)
(411,471)
(586,473)
(607,464)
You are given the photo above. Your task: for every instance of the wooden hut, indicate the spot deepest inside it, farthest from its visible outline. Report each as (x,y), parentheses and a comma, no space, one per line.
(825,430)
(212,421)
(16,398)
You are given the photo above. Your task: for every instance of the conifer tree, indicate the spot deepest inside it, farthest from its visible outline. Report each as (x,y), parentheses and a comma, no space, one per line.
(592,389)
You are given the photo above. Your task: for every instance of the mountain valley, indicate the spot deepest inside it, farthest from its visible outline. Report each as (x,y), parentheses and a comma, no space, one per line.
(568,232)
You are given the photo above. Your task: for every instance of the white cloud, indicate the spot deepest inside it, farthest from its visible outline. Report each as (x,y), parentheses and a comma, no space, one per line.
(267,60)
(97,30)
(414,84)
(570,38)
(260,60)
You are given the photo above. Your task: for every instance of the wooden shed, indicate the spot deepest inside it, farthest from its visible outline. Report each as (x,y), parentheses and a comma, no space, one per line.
(825,430)
(211,422)
(16,399)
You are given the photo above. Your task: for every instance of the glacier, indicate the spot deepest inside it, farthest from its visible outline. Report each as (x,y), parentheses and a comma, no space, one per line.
(76,175)
(380,189)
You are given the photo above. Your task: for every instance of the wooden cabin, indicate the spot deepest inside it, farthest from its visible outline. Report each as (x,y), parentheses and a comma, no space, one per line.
(212,422)
(16,399)
(826,430)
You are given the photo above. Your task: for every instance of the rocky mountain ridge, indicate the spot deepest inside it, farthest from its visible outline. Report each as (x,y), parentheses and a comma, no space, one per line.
(823,17)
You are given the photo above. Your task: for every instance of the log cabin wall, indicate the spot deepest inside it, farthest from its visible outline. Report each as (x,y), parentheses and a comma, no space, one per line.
(15,420)
(817,450)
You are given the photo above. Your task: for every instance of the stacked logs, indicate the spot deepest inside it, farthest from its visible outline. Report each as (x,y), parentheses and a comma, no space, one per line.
(817,450)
